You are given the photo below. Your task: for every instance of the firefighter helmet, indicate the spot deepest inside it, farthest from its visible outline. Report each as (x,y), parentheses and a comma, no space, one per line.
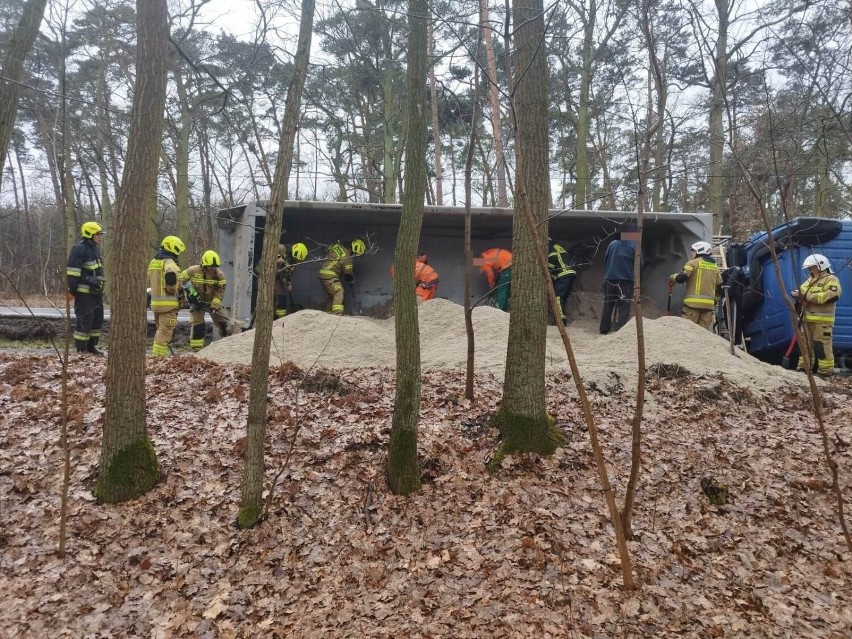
(90,229)
(210,258)
(819,261)
(299,251)
(358,247)
(173,244)
(702,248)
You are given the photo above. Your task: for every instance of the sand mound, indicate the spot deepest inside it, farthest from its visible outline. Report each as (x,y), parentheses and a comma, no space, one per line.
(313,338)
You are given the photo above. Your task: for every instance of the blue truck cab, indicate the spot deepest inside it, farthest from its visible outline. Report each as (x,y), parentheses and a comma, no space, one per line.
(762,313)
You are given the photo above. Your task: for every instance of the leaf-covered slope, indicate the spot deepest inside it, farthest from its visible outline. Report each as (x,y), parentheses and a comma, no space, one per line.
(526,552)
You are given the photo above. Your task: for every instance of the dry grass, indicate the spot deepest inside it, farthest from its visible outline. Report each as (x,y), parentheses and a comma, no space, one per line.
(34,300)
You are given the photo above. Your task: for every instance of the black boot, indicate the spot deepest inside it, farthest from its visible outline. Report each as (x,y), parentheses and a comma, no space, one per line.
(92,348)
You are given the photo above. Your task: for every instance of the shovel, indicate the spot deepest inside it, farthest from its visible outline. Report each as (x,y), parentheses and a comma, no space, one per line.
(355,301)
(669,304)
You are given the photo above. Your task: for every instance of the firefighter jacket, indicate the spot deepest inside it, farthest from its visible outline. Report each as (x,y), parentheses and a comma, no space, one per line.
(84,267)
(209,283)
(702,279)
(558,263)
(338,262)
(497,260)
(164,293)
(819,295)
(283,268)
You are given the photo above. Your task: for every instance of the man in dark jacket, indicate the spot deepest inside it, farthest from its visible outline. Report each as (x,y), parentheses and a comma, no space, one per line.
(85,275)
(618,282)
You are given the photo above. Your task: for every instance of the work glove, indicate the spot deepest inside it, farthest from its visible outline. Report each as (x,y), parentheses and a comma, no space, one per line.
(69,296)
(349,278)
(96,283)
(673,277)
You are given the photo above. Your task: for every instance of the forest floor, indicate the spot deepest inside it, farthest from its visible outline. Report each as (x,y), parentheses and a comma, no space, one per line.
(526,551)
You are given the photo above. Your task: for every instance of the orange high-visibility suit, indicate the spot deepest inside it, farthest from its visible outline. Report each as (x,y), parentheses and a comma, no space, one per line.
(425,279)
(497,268)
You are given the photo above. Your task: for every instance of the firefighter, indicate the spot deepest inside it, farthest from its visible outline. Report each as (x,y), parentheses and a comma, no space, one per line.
(818,296)
(284,273)
(703,279)
(164,281)
(497,268)
(205,287)
(337,264)
(85,274)
(563,275)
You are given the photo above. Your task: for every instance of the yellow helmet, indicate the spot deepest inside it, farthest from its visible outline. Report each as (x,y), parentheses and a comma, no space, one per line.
(299,251)
(210,258)
(173,244)
(90,229)
(358,247)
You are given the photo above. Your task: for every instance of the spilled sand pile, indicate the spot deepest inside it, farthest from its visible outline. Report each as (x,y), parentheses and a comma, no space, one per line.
(312,338)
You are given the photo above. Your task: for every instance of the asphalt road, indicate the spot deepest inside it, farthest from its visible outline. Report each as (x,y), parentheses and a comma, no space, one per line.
(53,313)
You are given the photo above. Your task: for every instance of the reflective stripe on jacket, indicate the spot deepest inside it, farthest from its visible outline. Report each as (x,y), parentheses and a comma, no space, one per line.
(338,261)
(84,262)
(163,298)
(556,263)
(208,282)
(704,279)
(820,297)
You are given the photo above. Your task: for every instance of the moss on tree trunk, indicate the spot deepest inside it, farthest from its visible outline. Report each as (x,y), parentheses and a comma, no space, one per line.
(403,476)
(248,517)
(523,434)
(131,472)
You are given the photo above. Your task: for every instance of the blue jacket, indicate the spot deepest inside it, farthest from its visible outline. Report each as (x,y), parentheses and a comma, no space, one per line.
(618,261)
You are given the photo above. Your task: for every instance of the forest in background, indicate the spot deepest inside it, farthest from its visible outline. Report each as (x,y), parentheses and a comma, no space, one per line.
(763,88)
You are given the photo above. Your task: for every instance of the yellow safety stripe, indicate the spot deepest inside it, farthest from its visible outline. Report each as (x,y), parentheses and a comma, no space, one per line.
(327,273)
(73,272)
(164,303)
(823,318)
(700,301)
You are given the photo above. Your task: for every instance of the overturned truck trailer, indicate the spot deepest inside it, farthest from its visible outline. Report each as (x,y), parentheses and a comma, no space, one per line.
(763,321)
(586,234)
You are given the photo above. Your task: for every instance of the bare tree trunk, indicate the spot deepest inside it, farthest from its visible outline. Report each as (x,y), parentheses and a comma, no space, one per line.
(403,472)
(468,250)
(17,49)
(655,79)
(105,152)
(44,129)
(182,156)
(128,464)
(522,417)
(24,197)
(494,95)
(436,126)
(251,504)
(715,169)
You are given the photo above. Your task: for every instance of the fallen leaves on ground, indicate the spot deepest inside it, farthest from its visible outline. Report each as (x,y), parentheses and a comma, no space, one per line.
(528,551)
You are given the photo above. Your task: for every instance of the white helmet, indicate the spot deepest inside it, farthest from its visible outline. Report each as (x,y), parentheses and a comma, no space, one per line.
(702,248)
(820,261)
